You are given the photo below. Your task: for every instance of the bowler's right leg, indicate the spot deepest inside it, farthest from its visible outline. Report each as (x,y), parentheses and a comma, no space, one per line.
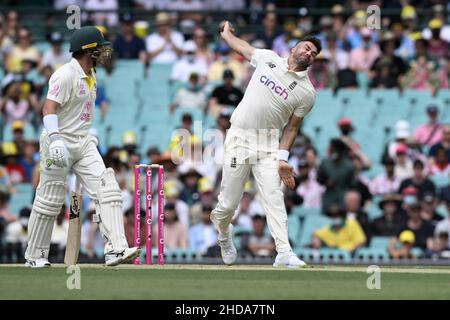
(234,176)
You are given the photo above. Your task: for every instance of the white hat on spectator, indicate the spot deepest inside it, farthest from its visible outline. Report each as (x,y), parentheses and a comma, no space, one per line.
(189,46)
(402,129)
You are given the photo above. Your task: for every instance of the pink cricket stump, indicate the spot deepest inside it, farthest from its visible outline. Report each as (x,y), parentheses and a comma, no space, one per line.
(161,215)
(137,213)
(148,215)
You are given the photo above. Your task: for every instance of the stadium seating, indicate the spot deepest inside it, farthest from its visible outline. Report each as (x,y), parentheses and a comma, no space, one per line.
(311,224)
(21,198)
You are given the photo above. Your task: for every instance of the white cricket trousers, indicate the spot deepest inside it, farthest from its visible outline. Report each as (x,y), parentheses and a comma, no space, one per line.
(243,153)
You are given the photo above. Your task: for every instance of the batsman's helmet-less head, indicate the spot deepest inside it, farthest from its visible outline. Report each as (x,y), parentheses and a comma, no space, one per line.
(86,38)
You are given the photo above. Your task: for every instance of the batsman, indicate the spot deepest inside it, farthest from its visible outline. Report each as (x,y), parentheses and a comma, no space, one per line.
(65,143)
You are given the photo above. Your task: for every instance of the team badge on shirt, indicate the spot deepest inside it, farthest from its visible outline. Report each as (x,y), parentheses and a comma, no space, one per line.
(271,64)
(292,85)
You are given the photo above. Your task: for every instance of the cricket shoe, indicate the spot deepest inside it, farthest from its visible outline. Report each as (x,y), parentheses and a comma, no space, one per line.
(227,248)
(113,259)
(288,259)
(38,263)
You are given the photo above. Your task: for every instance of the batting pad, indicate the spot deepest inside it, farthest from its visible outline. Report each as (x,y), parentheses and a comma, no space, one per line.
(47,205)
(109,211)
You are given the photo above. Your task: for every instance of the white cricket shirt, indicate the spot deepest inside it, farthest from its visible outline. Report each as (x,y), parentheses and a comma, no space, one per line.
(76,93)
(273,94)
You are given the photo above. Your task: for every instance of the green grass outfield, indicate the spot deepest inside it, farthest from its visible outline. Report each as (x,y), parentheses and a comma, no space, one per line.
(199,282)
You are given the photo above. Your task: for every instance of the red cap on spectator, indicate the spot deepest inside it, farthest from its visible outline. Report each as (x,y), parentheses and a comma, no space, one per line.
(410,191)
(401,149)
(345,122)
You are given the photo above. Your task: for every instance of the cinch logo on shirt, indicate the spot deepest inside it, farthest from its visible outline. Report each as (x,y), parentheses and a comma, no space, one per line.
(274,87)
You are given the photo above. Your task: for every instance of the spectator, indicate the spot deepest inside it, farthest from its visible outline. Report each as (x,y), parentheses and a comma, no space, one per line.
(207,198)
(243,215)
(362,182)
(338,64)
(418,181)
(13,25)
(102,100)
(442,145)
(401,248)
(15,171)
(127,45)
(6,43)
(18,136)
(390,224)
(320,75)
(443,226)
(443,81)
(421,75)
(281,44)
(5,213)
(269,31)
(189,64)
(153,154)
(203,53)
(387,68)
(437,47)
(175,232)
(402,133)
(308,188)
(259,243)
(24,50)
(55,57)
(342,233)
(336,174)
(403,164)
(164,45)
(103,12)
(190,193)
(172,196)
(339,58)
(225,96)
(224,62)
(346,128)
(191,96)
(406,48)
(440,165)
(16,237)
(28,160)
(91,239)
(441,247)
(386,182)
(354,210)
(428,213)
(362,57)
(423,230)
(203,235)
(432,132)
(13,105)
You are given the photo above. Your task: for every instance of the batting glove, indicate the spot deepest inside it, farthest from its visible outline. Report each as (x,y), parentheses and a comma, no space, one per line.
(58,152)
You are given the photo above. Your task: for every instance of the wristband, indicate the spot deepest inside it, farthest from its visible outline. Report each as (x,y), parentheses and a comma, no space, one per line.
(283,155)
(51,123)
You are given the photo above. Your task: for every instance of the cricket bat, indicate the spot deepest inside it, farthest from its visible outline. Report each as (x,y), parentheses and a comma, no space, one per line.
(74,233)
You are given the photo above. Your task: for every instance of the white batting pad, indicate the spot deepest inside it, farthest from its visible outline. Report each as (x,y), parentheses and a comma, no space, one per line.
(109,211)
(47,205)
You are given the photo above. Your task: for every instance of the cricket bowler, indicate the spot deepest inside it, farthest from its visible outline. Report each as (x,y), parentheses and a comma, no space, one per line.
(65,143)
(277,98)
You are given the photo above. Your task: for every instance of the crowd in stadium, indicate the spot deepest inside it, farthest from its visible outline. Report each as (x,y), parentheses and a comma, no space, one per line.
(409,52)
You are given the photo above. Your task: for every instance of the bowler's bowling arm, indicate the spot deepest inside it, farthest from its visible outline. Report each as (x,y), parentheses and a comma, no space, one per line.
(240,46)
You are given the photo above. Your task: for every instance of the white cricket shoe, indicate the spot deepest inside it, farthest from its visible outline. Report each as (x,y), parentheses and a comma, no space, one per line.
(113,259)
(227,248)
(288,259)
(38,263)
